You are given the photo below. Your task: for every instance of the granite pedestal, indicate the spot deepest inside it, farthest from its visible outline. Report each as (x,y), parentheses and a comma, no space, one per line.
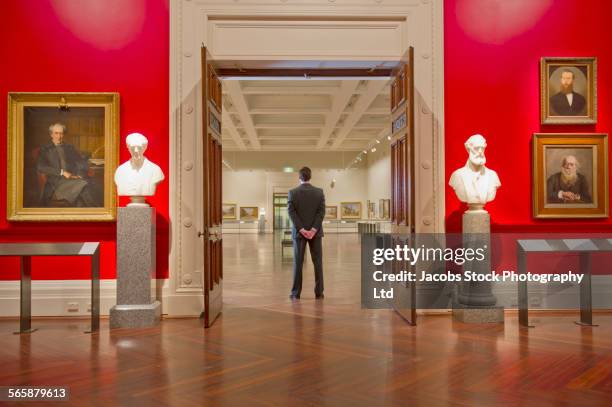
(475,302)
(136,305)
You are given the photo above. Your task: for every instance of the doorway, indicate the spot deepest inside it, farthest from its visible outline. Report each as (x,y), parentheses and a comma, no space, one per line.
(338,125)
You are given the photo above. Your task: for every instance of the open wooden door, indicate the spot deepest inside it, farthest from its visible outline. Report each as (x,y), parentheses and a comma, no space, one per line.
(403,173)
(211,165)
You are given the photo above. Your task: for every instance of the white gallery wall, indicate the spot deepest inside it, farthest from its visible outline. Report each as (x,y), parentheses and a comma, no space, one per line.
(379,173)
(255,186)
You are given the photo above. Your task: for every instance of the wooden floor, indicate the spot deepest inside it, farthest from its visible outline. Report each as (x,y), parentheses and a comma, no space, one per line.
(267,351)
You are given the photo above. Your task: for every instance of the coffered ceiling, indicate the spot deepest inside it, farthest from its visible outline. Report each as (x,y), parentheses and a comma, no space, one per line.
(304,115)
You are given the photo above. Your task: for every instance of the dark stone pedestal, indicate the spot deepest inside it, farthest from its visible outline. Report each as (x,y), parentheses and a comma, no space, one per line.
(136,305)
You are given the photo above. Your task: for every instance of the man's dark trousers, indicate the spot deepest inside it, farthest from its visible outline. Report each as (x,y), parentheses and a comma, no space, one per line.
(316,253)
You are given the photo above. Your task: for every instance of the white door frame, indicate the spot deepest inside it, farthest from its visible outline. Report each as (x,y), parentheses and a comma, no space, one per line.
(357,30)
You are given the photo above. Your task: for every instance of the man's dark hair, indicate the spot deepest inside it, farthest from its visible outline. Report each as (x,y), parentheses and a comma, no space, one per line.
(305,174)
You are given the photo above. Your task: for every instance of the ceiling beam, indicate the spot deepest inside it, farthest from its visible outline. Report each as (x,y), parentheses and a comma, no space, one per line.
(305,72)
(227,125)
(242,108)
(374,88)
(339,102)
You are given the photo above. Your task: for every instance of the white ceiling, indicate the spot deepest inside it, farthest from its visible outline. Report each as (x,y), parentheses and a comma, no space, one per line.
(304,115)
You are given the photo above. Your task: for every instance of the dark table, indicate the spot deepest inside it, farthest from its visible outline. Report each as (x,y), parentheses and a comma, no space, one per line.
(582,247)
(25,251)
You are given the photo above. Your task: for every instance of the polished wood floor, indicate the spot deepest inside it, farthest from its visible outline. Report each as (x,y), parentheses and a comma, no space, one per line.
(267,351)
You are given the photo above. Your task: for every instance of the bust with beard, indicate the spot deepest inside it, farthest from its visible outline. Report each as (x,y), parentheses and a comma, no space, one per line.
(474,183)
(567,102)
(568,185)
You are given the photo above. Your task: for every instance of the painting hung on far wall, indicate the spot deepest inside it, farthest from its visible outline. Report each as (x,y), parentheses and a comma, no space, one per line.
(568,90)
(570,175)
(371,210)
(249,212)
(384,208)
(350,210)
(229,211)
(331,212)
(62,154)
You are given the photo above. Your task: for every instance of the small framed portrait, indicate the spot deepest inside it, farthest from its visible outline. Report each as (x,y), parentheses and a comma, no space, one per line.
(350,210)
(229,211)
(249,212)
(62,155)
(371,209)
(568,90)
(570,178)
(387,209)
(331,212)
(384,209)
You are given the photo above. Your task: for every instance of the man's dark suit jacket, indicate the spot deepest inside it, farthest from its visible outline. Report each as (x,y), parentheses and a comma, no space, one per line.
(49,163)
(306,207)
(561,106)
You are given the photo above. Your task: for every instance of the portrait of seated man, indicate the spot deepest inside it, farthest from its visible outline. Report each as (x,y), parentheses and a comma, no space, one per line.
(567,102)
(65,170)
(568,185)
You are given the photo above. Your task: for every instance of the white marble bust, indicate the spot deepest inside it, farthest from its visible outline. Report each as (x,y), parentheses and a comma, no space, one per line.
(474,183)
(137,177)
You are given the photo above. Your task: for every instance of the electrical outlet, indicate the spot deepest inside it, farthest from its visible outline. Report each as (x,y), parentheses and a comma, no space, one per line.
(72,307)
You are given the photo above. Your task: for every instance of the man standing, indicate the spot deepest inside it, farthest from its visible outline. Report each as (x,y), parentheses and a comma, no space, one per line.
(306,207)
(568,185)
(65,170)
(567,102)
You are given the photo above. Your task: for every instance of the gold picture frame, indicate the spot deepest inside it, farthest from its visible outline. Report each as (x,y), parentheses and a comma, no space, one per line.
(570,175)
(85,129)
(568,90)
(350,210)
(249,212)
(331,212)
(230,211)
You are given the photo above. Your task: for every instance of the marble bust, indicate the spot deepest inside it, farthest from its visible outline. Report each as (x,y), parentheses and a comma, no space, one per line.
(474,183)
(137,177)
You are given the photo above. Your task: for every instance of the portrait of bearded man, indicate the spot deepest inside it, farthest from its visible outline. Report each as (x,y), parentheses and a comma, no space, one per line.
(568,185)
(567,102)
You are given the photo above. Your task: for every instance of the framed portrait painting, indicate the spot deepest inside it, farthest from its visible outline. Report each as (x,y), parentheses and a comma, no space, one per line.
(62,155)
(568,90)
(331,212)
(350,210)
(249,212)
(371,210)
(570,175)
(229,211)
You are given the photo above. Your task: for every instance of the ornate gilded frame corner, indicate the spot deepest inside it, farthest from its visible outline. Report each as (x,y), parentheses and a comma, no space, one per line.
(17,101)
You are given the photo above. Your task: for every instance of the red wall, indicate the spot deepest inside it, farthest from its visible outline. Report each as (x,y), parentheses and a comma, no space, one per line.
(88,46)
(492,50)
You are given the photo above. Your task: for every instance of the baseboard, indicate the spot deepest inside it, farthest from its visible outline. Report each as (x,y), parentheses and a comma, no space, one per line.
(73,297)
(55,297)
